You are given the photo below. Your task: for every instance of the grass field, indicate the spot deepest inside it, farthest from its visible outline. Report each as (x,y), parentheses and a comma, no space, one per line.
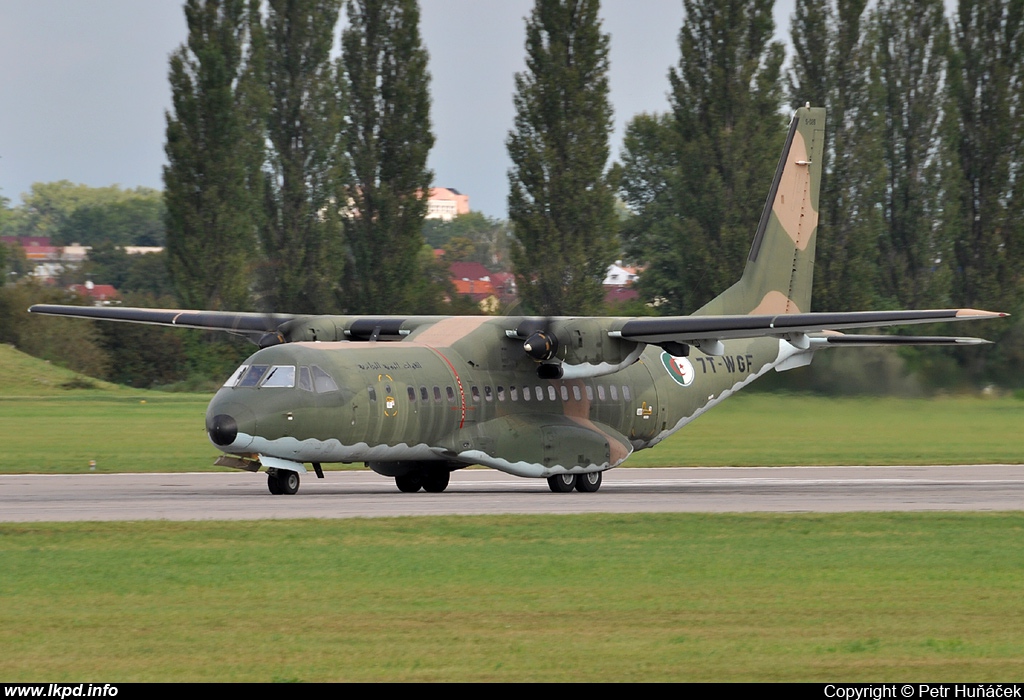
(854,597)
(851,597)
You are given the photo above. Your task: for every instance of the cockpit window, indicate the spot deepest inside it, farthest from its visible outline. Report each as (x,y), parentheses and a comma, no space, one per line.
(280,376)
(323,381)
(233,379)
(254,375)
(305,379)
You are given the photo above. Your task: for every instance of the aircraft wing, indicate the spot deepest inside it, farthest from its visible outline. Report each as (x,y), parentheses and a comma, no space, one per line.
(705,331)
(264,329)
(230,321)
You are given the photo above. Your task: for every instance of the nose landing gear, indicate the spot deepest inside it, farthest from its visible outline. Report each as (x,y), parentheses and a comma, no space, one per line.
(282,481)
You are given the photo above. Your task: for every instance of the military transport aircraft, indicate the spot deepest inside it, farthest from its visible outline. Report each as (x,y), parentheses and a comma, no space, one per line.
(417,397)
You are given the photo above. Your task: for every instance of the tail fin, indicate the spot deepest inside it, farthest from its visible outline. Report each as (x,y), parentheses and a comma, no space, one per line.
(780,267)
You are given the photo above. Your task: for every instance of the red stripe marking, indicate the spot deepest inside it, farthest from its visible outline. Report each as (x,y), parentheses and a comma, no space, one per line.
(458,382)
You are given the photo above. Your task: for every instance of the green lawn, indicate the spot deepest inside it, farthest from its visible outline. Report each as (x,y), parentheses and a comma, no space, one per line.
(852,597)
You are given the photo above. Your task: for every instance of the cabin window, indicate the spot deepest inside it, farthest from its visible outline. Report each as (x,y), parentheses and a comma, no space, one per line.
(373,393)
(625,393)
(412,394)
(451,393)
(323,382)
(424,396)
(576,393)
(280,376)
(254,375)
(539,390)
(488,394)
(475,391)
(501,393)
(600,391)
(526,393)
(552,394)
(590,393)
(305,379)
(437,394)
(615,392)
(235,376)
(513,393)
(565,393)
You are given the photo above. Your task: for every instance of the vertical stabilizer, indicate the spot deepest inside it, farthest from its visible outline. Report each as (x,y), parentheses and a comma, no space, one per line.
(780,267)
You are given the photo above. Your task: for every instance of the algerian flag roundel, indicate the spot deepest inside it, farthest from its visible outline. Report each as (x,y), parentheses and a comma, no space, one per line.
(679,368)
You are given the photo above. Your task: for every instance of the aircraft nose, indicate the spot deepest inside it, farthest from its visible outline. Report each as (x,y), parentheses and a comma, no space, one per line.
(230,424)
(223,429)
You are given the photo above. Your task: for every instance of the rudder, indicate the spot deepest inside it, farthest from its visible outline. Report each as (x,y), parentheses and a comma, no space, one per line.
(780,267)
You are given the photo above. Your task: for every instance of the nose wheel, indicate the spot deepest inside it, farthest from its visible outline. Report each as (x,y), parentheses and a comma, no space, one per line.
(282,482)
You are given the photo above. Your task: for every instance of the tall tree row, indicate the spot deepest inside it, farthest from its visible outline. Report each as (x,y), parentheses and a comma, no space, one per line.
(560,204)
(388,137)
(986,83)
(214,151)
(294,177)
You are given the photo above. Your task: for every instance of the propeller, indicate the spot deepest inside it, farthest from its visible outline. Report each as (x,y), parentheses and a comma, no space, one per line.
(542,345)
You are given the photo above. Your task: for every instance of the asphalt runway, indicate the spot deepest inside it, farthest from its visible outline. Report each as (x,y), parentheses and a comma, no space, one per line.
(363,494)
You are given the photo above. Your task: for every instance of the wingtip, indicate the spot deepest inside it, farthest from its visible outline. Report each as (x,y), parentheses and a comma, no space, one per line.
(978,313)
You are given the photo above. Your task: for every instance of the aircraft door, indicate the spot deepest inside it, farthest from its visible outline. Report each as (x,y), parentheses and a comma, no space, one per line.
(646,410)
(389,410)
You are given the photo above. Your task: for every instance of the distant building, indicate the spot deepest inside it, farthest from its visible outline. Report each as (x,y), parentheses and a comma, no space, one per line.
(445,203)
(620,275)
(618,283)
(101,294)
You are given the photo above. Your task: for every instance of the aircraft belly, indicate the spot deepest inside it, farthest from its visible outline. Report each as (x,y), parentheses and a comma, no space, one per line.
(332,450)
(539,445)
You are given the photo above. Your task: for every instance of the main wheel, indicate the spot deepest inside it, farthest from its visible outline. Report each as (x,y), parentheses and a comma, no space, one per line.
(289,481)
(562,483)
(436,481)
(409,483)
(588,483)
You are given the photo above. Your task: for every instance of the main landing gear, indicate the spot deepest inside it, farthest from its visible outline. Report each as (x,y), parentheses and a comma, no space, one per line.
(564,483)
(431,481)
(282,481)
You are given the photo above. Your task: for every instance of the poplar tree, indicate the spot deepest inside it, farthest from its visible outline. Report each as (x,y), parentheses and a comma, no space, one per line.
(387,140)
(830,70)
(909,52)
(727,133)
(214,137)
(305,160)
(560,204)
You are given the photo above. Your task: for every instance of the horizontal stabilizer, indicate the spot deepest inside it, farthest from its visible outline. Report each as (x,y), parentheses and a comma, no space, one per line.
(862,341)
(683,329)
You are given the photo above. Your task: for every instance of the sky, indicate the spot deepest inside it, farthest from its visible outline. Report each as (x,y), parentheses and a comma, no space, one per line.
(84,91)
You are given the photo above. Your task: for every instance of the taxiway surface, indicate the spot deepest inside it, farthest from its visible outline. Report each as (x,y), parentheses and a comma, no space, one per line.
(244,496)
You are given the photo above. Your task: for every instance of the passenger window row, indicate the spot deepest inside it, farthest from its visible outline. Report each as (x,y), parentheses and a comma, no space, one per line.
(513,393)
